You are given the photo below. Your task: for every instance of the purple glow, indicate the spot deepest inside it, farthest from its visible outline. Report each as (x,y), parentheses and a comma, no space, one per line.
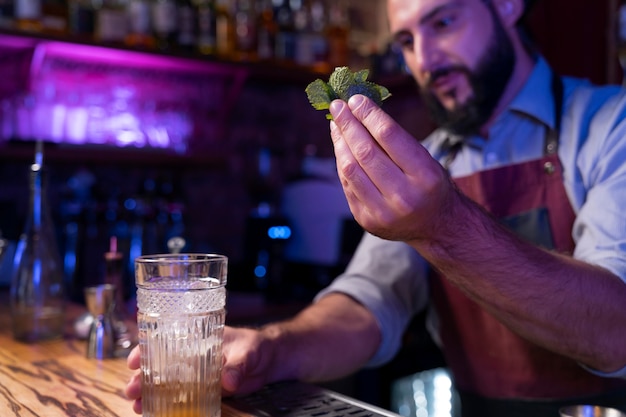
(83,94)
(16,42)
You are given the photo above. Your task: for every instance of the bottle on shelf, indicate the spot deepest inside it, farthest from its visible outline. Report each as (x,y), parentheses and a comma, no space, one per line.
(7,14)
(55,17)
(82,18)
(245,30)
(224,28)
(337,34)
(187,26)
(139,25)
(37,288)
(266,30)
(28,15)
(111,22)
(206,42)
(312,45)
(164,23)
(285,46)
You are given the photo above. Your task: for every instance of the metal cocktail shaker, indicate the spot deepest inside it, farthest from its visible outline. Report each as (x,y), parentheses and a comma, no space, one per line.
(100,301)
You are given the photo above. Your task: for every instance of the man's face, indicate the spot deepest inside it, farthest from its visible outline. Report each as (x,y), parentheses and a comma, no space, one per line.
(460,55)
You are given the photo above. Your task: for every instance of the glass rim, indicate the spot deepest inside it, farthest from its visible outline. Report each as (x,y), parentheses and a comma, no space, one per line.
(180,258)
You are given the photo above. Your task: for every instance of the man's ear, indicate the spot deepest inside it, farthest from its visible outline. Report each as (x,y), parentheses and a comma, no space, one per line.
(510,11)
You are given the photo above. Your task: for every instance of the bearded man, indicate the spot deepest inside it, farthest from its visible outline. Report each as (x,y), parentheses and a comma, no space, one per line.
(506,223)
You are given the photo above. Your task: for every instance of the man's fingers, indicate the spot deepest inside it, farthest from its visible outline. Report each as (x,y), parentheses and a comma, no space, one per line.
(133,359)
(133,388)
(400,146)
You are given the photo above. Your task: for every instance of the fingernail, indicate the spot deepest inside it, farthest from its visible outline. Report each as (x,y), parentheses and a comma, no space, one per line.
(336,106)
(355,101)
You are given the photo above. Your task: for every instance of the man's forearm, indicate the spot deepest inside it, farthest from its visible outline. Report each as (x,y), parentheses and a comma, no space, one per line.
(555,301)
(329,339)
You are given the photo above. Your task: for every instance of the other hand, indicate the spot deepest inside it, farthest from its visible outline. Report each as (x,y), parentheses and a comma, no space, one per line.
(247,367)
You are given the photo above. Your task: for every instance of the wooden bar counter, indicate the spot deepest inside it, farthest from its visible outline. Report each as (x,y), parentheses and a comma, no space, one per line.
(56,378)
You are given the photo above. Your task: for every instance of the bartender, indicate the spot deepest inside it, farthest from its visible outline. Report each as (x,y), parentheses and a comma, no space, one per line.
(506,223)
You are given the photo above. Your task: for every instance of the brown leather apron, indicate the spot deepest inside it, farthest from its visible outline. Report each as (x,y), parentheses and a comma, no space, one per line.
(485,357)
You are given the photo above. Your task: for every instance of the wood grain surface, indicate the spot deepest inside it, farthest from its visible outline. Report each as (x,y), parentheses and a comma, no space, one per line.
(56,378)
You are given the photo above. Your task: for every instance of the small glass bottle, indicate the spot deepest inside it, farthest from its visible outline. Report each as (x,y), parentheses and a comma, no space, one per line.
(338,35)
(111,22)
(55,19)
(187,27)
(28,15)
(82,18)
(165,23)
(245,30)
(206,42)
(286,36)
(37,293)
(266,30)
(139,25)
(7,14)
(225,28)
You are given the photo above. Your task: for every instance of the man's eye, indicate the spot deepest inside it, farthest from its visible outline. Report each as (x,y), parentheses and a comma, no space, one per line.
(403,43)
(443,22)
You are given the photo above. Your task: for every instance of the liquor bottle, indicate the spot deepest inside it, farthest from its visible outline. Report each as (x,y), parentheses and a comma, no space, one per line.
(266,30)
(28,15)
(111,22)
(164,23)
(225,28)
(82,18)
(187,32)
(55,17)
(312,45)
(337,34)
(245,30)
(7,13)
(285,47)
(206,42)
(37,291)
(139,25)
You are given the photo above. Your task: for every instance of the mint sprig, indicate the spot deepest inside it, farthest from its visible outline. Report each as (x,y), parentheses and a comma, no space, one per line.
(343,84)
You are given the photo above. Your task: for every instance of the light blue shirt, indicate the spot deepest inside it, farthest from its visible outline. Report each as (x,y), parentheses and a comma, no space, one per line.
(390,277)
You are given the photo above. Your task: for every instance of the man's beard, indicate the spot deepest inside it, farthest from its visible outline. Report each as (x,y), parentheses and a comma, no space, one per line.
(487,82)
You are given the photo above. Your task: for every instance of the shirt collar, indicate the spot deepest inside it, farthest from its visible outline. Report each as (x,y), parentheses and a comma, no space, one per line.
(534,100)
(536,97)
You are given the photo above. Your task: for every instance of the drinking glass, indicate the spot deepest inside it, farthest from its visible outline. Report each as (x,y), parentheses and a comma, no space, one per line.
(180,300)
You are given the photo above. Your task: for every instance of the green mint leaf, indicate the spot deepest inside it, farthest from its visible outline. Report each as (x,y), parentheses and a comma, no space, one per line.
(343,84)
(320,95)
(361,76)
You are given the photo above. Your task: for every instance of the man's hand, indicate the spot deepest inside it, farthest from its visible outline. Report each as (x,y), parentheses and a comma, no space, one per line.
(133,389)
(248,361)
(248,364)
(395,189)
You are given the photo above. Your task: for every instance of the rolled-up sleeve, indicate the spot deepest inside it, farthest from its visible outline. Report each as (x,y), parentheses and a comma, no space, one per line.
(390,279)
(598,187)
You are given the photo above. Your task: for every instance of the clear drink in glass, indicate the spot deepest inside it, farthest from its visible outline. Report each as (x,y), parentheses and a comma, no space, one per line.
(181,299)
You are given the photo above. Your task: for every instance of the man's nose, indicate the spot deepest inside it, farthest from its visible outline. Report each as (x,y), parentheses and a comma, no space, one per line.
(427,55)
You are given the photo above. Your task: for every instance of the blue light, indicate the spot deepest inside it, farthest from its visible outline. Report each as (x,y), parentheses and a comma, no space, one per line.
(279,232)
(130,204)
(260,271)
